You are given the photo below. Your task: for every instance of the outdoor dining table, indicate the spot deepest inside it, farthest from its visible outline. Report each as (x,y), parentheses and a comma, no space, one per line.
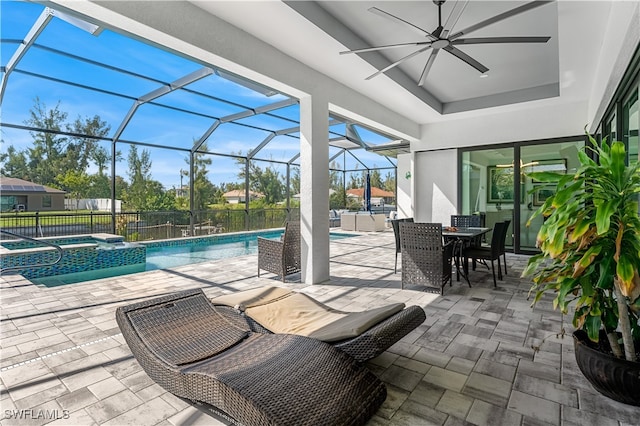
(462,237)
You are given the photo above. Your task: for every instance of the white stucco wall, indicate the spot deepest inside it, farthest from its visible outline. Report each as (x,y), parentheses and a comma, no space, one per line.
(404,201)
(532,123)
(436,200)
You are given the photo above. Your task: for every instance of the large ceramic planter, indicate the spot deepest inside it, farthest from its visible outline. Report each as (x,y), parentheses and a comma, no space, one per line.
(616,378)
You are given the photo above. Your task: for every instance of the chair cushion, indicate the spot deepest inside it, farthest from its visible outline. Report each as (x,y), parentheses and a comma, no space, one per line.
(300,314)
(186,330)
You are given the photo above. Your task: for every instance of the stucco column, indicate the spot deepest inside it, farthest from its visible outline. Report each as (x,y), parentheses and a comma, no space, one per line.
(314,188)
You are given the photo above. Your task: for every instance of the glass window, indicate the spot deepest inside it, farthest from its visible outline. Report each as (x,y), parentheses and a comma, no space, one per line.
(7,202)
(631,122)
(46,201)
(610,128)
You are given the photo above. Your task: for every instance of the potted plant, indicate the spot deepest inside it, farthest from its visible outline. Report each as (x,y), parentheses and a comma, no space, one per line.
(590,258)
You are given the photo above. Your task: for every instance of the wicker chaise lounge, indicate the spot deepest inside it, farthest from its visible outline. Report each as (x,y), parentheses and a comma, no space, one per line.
(206,354)
(362,335)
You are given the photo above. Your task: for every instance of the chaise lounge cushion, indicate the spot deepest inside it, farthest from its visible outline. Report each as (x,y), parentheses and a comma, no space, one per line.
(250,298)
(288,312)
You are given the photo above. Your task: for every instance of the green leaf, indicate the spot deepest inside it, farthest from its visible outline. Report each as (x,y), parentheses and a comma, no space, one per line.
(604,211)
(566,287)
(625,272)
(546,176)
(581,226)
(610,318)
(618,158)
(532,265)
(605,280)
(563,196)
(585,160)
(592,326)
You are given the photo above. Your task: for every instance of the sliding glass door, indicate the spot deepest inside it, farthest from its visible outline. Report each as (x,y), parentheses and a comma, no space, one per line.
(488,186)
(496,185)
(561,157)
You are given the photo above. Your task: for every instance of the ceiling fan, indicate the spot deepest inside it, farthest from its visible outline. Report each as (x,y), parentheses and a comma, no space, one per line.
(442,39)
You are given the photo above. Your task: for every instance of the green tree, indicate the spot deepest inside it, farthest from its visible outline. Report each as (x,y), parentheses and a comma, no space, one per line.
(139,179)
(355,181)
(376,179)
(294,180)
(158,199)
(203,189)
(75,182)
(101,158)
(14,164)
(335,175)
(267,182)
(99,186)
(82,148)
(389,183)
(121,187)
(51,153)
(45,157)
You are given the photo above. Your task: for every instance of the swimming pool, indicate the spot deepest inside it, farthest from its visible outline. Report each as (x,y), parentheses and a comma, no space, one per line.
(173,253)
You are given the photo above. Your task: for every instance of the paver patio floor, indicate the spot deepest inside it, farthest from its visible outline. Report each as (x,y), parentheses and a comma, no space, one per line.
(471,362)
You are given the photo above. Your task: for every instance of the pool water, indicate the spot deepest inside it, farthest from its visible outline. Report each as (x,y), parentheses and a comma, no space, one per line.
(164,257)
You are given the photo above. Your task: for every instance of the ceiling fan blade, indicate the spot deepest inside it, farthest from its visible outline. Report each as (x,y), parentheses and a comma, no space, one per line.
(427,66)
(454,16)
(388,46)
(487,40)
(394,18)
(500,17)
(399,61)
(466,58)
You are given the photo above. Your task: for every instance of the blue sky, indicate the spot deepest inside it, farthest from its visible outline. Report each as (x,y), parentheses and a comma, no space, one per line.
(151,124)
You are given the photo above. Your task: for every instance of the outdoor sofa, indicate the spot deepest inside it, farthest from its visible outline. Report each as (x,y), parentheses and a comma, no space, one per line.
(207,354)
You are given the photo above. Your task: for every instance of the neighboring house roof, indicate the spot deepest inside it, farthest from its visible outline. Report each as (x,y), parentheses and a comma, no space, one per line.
(15,185)
(375,192)
(240,193)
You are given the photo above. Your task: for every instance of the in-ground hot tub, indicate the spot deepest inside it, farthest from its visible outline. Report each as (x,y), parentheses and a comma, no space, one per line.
(81,253)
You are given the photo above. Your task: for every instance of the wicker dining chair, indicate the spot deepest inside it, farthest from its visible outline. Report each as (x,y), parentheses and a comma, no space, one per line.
(395,224)
(281,257)
(425,260)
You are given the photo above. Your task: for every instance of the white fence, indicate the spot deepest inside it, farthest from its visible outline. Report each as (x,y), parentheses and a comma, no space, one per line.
(93,204)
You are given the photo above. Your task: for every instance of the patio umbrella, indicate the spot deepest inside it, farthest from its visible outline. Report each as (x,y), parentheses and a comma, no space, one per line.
(367,193)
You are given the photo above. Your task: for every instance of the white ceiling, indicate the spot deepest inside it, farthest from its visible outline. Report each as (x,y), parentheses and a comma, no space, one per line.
(315,32)
(513,67)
